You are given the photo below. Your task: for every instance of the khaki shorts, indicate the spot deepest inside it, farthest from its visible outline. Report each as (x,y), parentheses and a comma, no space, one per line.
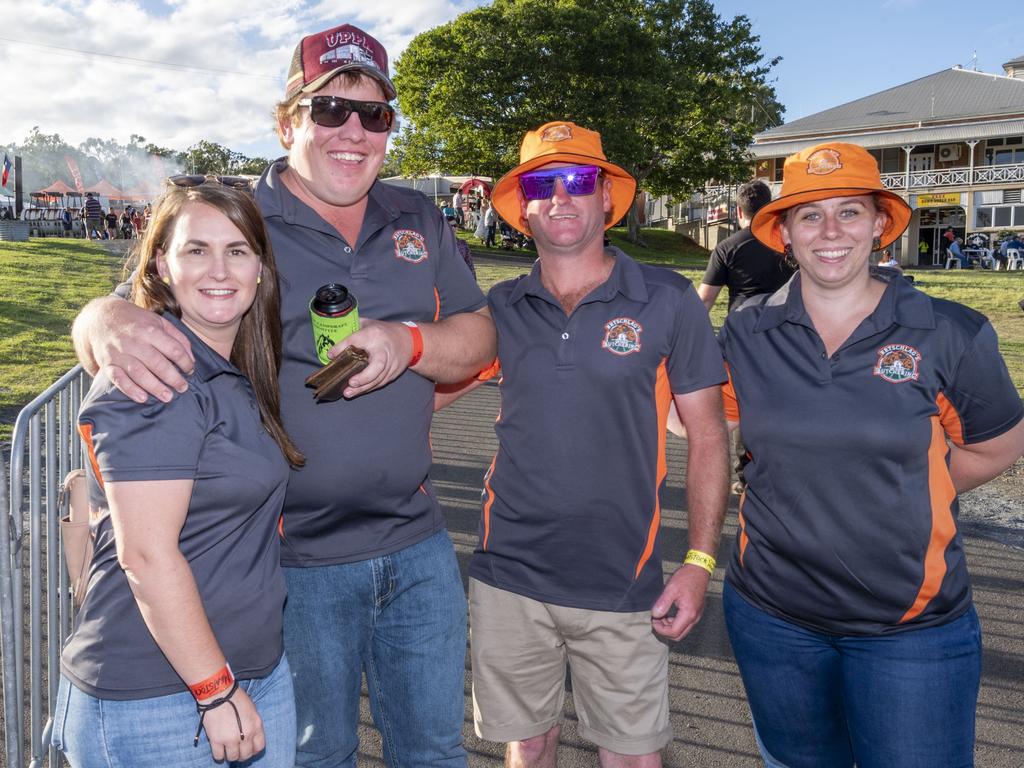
(520,648)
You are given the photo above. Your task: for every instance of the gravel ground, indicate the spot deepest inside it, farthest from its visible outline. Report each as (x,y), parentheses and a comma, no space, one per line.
(996,510)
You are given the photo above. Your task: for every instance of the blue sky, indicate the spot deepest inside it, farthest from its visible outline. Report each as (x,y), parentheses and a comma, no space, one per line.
(224,60)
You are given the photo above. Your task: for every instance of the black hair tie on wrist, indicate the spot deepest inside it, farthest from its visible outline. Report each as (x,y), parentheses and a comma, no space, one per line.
(202,709)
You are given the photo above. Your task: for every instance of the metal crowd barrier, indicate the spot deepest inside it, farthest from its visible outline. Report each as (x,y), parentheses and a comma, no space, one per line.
(44,447)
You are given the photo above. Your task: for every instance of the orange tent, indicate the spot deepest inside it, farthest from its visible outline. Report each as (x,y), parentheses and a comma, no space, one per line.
(59,188)
(104,188)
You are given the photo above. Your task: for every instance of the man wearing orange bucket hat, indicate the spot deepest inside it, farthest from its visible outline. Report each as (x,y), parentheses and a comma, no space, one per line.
(594,348)
(867,406)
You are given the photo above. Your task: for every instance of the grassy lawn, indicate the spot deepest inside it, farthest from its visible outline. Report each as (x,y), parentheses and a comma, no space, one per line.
(43,284)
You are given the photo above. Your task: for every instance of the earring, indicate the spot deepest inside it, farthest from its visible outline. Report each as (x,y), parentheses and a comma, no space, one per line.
(166,280)
(787,251)
(876,244)
(259,279)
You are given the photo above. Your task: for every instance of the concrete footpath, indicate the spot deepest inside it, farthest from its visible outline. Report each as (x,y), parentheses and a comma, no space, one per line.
(709,714)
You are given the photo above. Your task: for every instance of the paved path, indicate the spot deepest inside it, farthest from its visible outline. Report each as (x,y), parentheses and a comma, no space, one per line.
(709,714)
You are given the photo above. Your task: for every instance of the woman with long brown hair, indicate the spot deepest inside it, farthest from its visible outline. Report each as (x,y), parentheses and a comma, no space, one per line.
(176,657)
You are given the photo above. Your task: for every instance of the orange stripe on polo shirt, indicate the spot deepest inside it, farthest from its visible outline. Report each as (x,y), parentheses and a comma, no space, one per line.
(950,419)
(663,402)
(489,502)
(729,402)
(941,493)
(85,430)
(437,305)
(744,539)
(280,525)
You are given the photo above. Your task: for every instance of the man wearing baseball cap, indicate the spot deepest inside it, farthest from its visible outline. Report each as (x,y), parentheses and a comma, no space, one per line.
(373,581)
(594,348)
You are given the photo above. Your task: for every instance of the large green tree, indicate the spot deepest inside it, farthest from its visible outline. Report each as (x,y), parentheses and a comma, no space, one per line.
(676,91)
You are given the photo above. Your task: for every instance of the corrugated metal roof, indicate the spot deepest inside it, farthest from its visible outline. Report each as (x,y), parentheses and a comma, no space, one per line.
(952,95)
(914,137)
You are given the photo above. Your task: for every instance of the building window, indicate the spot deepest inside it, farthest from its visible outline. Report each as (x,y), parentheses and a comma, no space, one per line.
(1008,151)
(999,216)
(888,159)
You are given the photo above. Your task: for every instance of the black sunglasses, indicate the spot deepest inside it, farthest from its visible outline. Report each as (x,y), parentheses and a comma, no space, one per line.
(198,179)
(333,111)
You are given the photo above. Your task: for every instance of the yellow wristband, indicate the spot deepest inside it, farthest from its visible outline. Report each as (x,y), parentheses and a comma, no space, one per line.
(705,561)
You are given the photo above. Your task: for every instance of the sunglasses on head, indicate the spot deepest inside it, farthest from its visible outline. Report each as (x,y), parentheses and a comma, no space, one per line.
(198,179)
(333,111)
(577,180)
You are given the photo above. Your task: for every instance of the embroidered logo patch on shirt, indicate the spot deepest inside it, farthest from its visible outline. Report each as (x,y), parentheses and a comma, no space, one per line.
(897,363)
(622,336)
(410,245)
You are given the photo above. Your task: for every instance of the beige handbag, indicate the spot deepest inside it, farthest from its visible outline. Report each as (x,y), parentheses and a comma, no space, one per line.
(74,531)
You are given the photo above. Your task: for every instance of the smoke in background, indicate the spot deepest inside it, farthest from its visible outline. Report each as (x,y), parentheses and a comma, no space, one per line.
(134,171)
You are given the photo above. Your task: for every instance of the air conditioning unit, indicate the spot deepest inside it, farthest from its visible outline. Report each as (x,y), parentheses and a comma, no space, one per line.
(949,152)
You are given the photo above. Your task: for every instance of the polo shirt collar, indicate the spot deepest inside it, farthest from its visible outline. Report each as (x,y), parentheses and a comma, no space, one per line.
(209,364)
(626,278)
(901,304)
(386,204)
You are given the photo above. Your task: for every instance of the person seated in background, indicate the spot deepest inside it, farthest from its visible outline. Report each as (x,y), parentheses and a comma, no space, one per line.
(956,251)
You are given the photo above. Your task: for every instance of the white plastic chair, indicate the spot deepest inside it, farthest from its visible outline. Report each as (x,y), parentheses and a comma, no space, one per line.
(952,263)
(1014,260)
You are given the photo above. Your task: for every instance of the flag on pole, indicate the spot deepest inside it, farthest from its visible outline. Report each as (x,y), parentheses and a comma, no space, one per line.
(76,176)
(7,170)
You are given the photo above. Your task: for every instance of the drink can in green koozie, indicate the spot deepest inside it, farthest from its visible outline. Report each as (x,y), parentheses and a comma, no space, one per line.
(334,314)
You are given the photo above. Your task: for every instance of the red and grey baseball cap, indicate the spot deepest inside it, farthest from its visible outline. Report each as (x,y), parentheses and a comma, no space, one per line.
(320,57)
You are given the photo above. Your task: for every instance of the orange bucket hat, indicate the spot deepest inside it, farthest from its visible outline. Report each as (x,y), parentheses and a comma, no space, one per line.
(561,142)
(829,170)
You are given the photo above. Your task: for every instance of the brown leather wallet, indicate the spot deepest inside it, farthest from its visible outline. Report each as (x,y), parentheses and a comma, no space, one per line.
(330,381)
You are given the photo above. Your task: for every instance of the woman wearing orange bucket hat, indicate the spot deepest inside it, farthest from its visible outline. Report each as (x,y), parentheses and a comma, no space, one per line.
(866,406)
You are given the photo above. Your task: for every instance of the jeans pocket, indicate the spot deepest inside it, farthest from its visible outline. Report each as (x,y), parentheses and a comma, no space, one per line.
(60,715)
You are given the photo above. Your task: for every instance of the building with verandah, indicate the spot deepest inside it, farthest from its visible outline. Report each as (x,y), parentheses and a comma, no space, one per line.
(951,143)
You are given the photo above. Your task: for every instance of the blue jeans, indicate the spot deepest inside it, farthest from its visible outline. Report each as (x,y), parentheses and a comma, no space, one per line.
(401,619)
(826,701)
(158,732)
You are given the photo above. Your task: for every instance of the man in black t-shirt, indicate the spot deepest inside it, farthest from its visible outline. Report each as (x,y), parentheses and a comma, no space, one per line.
(742,263)
(748,268)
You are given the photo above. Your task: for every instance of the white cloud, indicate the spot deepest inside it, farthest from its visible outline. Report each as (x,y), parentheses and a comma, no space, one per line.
(49,83)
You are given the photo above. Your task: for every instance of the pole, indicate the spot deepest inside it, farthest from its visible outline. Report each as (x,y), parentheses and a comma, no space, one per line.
(18,189)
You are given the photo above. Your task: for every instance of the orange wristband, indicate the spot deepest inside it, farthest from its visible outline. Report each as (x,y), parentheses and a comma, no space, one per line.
(417,342)
(218,682)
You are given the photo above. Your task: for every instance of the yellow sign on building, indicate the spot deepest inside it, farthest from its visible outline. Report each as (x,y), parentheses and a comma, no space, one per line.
(938,200)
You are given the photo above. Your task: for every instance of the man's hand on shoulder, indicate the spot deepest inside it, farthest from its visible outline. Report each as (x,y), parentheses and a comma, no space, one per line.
(140,352)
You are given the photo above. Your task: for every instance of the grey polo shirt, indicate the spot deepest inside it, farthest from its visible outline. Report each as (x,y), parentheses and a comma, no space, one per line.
(572,502)
(211,434)
(848,524)
(364,491)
